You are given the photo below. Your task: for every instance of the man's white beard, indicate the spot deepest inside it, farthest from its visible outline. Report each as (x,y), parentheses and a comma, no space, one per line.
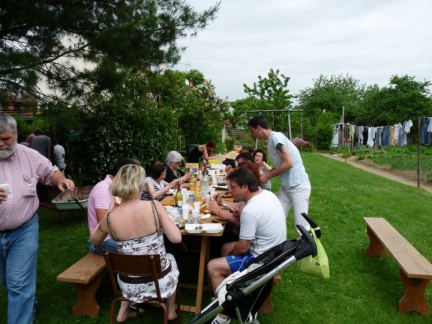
(8,150)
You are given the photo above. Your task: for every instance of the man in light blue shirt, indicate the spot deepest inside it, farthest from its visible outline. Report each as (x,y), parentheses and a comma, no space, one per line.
(295,186)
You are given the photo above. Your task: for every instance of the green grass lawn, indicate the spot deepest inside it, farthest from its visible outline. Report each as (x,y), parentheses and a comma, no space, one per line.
(361,289)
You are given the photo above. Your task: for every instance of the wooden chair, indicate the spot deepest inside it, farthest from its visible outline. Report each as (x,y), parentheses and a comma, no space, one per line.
(192,165)
(137,265)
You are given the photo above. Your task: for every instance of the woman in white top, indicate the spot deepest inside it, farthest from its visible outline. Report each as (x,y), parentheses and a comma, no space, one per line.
(155,185)
(261,158)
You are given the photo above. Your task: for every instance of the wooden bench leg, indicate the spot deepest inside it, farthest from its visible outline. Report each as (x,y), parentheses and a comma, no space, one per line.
(414,295)
(86,303)
(375,247)
(267,307)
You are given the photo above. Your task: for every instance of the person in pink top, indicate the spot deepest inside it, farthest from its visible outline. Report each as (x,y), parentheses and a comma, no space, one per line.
(99,201)
(21,168)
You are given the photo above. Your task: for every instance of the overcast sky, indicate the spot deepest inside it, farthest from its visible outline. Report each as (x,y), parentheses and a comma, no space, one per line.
(370,40)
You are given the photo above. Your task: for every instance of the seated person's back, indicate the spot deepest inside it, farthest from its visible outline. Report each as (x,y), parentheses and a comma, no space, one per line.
(137,227)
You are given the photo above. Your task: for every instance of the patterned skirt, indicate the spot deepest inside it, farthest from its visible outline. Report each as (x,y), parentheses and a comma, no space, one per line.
(141,292)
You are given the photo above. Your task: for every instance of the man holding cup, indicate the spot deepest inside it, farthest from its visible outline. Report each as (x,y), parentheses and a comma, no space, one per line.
(21,168)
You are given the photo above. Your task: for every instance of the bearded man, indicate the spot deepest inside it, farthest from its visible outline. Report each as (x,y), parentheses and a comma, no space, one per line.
(21,168)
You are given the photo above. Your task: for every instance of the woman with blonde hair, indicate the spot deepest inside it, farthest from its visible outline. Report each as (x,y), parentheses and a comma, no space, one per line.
(138,227)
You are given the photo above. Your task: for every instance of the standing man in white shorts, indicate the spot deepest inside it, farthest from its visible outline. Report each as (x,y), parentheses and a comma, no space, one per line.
(288,165)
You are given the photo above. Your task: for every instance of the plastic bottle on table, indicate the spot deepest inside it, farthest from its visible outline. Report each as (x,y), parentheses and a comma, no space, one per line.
(198,194)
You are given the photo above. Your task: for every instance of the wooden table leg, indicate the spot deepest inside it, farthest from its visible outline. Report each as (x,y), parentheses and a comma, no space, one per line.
(414,295)
(375,247)
(203,256)
(86,303)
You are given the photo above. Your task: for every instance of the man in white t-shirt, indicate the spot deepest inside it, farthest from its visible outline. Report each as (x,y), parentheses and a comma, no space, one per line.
(99,202)
(295,187)
(262,226)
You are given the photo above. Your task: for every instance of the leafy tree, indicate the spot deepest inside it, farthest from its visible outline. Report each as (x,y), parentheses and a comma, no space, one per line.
(201,116)
(371,110)
(330,94)
(129,123)
(143,120)
(405,99)
(78,46)
(323,103)
(271,91)
(240,107)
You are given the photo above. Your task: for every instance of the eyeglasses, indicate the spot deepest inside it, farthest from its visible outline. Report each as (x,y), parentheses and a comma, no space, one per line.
(177,163)
(231,187)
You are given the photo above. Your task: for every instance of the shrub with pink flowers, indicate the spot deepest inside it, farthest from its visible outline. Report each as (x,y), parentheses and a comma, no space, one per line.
(303,145)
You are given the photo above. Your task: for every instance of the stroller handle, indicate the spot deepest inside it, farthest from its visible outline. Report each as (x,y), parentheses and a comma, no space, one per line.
(313,224)
(310,248)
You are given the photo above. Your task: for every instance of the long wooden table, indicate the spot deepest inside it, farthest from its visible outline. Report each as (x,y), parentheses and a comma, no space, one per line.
(203,257)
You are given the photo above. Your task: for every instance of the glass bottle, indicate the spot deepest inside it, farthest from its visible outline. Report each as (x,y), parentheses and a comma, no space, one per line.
(178,197)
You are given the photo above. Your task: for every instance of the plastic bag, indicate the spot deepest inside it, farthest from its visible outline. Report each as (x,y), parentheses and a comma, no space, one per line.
(318,265)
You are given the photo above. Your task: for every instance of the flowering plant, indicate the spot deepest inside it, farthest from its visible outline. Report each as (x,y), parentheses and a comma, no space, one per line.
(302,144)
(299,141)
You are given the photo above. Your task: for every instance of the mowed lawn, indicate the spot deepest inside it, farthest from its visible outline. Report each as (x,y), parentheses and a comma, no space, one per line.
(361,289)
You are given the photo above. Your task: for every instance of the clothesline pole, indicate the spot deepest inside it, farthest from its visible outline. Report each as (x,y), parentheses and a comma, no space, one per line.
(343,133)
(418,153)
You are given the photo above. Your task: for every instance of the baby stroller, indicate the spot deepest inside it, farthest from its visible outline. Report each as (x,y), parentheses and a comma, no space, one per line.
(242,294)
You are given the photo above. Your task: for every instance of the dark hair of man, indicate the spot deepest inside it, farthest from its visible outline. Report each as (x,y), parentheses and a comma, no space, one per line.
(245,156)
(263,154)
(157,169)
(259,121)
(244,176)
(38,132)
(121,163)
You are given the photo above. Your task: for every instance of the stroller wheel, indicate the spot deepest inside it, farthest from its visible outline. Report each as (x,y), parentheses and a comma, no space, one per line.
(252,319)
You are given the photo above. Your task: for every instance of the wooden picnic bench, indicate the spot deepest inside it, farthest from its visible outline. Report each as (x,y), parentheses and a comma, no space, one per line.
(267,307)
(415,270)
(86,275)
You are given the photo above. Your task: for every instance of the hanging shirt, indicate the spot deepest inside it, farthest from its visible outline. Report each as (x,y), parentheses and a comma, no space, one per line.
(371,136)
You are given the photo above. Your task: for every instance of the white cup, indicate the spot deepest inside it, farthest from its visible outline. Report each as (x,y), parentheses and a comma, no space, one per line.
(185,211)
(212,191)
(197,205)
(195,216)
(169,209)
(175,213)
(5,187)
(207,198)
(214,181)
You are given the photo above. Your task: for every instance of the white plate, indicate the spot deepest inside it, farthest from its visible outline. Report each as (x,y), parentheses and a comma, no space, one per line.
(199,228)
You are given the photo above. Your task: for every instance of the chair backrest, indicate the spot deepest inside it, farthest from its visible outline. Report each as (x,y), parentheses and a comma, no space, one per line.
(134,265)
(192,165)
